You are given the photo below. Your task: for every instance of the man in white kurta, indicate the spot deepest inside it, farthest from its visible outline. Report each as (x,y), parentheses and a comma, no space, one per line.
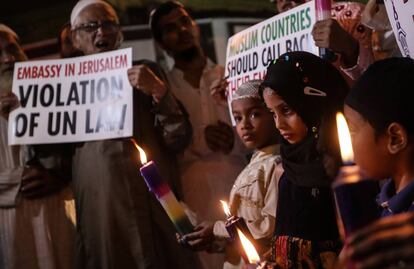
(211,163)
(207,176)
(36,230)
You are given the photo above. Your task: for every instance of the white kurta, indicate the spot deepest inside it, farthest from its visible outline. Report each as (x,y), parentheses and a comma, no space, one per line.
(254,198)
(206,176)
(38,233)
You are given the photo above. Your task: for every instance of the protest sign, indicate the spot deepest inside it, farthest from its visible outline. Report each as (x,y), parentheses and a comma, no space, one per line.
(250,51)
(401,16)
(72,100)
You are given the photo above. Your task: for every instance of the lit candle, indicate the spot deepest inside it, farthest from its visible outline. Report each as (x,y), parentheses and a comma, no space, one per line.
(253,258)
(345,142)
(165,196)
(354,195)
(233,224)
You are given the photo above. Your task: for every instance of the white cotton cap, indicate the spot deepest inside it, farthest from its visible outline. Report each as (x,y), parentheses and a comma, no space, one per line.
(5,28)
(81,5)
(249,89)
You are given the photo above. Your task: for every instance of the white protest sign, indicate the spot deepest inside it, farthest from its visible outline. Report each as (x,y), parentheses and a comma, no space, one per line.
(401,16)
(72,100)
(250,51)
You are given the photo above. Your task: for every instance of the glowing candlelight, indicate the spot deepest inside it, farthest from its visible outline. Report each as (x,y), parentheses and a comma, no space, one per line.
(165,196)
(355,196)
(225,208)
(142,155)
(344,139)
(249,249)
(234,225)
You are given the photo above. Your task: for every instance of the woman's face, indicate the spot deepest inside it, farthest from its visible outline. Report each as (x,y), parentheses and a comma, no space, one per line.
(96,30)
(287,121)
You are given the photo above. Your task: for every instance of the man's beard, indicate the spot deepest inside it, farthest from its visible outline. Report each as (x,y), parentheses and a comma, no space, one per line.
(6,81)
(189,54)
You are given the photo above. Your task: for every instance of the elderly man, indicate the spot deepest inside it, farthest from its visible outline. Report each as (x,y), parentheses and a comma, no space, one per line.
(210,165)
(35,232)
(121,224)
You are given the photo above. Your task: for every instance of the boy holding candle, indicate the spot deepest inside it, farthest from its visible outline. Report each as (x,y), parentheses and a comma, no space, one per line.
(254,193)
(380,114)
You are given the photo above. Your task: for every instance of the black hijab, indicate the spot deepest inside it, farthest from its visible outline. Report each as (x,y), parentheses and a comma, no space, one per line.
(315,90)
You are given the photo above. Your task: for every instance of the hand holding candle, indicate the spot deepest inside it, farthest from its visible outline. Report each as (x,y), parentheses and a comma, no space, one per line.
(236,226)
(233,223)
(164,194)
(355,196)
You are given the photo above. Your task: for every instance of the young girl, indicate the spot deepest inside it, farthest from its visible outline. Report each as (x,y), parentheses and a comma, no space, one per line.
(254,193)
(380,115)
(304,92)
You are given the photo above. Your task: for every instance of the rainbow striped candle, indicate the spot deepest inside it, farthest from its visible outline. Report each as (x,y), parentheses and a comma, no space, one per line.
(166,197)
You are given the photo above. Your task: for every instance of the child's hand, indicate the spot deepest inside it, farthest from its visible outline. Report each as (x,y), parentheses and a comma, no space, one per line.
(201,238)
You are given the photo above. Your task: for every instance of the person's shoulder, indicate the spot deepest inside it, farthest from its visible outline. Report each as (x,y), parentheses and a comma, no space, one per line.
(272,159)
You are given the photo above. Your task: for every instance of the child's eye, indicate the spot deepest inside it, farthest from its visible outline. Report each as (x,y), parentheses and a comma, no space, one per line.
(237,118)
(254,114)
(286,110)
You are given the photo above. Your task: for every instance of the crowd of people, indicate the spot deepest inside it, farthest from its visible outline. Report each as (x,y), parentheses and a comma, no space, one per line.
(85,205)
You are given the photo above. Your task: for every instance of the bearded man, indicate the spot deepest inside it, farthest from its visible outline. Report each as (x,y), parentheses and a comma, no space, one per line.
(120,223)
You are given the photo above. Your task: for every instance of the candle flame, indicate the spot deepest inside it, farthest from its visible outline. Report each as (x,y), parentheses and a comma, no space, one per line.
(142,155)
(344,139)
(249,249)
(226,208)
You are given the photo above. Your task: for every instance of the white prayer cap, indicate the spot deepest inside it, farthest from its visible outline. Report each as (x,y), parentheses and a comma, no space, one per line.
(5,28)
(249,89)
(81,5)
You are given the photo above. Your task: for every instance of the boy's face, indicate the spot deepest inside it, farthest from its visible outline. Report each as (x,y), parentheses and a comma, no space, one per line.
(253,123)
(287,121)
(370,151)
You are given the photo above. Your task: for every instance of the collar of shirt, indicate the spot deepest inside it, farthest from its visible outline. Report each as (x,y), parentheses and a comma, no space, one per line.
(396,202)
(178,72)
(261,154)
